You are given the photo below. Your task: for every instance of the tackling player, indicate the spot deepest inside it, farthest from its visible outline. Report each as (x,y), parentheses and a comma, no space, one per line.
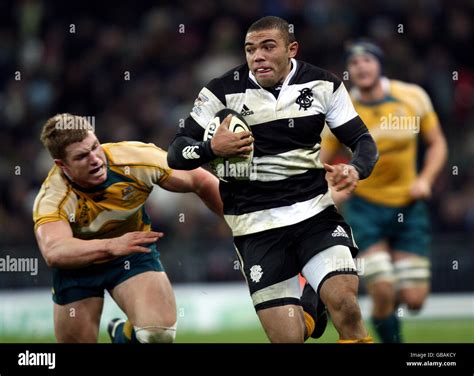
(387,211)
(94,233)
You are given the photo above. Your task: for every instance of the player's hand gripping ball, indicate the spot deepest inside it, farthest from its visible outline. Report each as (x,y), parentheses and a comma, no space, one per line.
(238,166)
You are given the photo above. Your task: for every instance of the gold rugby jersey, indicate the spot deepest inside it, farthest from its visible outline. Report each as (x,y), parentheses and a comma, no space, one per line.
(112,208)
(394,123)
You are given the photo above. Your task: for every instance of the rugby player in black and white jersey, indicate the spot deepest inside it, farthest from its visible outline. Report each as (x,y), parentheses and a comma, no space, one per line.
(283,220)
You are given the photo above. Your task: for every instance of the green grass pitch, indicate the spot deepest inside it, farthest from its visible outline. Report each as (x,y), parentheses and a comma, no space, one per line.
(414,331)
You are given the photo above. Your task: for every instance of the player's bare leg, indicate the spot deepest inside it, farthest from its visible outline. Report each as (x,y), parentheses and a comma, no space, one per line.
(283,324)
(339,293)
(78,322)
(148,301)
(413,292)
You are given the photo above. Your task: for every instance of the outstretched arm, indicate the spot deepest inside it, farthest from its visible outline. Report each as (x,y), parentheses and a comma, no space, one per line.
(61,250)
(199,181)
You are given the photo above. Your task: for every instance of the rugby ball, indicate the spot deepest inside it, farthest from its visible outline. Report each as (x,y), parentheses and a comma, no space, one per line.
(229,169)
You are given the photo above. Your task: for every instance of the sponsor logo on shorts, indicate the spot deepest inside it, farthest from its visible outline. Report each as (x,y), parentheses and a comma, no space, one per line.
(339,231)
(256,273)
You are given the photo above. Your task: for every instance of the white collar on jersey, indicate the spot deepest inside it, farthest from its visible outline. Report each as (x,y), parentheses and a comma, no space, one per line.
(384,81)
(294,65)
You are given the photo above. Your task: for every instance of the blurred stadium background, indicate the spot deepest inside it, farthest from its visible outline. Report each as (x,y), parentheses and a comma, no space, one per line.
(71,57)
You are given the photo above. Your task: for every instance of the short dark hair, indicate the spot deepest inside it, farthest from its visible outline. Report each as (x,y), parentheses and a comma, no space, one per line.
(272,22)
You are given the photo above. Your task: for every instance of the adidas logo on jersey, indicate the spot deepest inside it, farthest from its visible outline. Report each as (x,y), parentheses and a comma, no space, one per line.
(246,111)
(339,231)
(189,152)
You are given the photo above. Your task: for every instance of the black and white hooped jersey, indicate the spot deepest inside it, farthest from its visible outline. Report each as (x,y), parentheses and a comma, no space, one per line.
(288,183)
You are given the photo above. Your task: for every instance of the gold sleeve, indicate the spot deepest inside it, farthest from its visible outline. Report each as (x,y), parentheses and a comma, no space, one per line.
(428,117)
(55,200)
(144,162)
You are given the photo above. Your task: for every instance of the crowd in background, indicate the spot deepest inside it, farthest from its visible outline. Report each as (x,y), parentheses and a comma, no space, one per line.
(137,68)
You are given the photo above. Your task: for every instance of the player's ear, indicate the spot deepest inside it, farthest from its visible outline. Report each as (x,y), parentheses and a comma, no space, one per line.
(293,49)
(60,164)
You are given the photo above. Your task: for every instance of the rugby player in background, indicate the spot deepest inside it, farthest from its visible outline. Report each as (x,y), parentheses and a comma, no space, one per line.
(387,211)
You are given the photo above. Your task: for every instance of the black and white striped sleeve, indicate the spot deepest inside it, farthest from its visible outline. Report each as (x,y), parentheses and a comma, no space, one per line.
(348,127)
(188,151)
